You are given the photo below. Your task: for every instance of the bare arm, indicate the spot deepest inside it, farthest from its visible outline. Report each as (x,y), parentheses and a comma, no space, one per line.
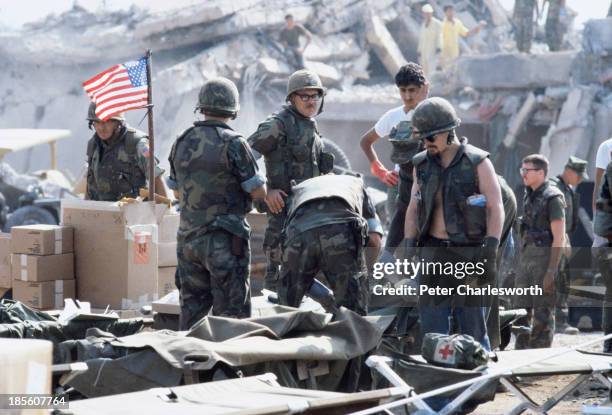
(557,228)
(598,175)
(489,186)
(160,187)
(308,36)
(367,144)
(410,223)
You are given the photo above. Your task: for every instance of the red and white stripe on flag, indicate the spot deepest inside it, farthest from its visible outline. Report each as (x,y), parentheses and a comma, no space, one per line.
(118,89)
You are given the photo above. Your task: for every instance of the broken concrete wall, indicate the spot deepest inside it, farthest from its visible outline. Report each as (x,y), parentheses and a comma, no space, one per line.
(572,135)
(514,70)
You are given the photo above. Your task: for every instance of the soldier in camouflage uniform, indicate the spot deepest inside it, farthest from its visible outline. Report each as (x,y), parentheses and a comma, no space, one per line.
(523,21)
(215,177)
(455,215)
(542,232)
(330,220)
(293,151)
(117,160)
(603,227)
(573,174)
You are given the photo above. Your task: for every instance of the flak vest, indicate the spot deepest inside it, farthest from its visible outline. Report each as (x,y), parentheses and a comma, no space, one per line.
(298,153)
(122,174)
(345,187)
(220,190)
(535,222)
(465,224)
(404,148)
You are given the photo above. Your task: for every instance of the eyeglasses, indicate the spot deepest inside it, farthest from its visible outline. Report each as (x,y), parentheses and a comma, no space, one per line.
(524,170)
(310,97)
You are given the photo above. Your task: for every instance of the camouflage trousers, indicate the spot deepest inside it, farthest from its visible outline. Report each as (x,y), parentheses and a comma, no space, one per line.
(334,250)
(273,250)
(391,203)
(540,317)
(563,285)
(213,272)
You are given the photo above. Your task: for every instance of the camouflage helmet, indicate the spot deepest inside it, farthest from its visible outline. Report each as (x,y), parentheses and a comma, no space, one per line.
(92,117)
(303,79)
(219,95)
(433,116)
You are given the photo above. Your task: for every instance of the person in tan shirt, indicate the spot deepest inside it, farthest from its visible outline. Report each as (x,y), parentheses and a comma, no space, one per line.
(430,40)
(452,28)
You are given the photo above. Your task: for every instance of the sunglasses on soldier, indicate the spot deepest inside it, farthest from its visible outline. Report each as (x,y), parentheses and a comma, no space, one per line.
(310,97)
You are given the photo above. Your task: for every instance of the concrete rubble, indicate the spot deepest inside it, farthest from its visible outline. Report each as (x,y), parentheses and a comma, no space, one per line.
(357,47)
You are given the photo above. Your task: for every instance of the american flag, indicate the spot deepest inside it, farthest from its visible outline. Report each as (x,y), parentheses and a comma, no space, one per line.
(118,89)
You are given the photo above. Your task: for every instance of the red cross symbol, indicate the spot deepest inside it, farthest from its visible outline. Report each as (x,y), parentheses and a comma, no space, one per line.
(446,351)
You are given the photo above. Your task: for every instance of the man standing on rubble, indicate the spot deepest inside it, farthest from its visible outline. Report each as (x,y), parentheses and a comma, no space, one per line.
(573,174)
(290,39)
(452,28)
(430,40)
(456,216)
(330,222)
(413,88)
(214,176)
(602,244)
(117,160)
(523,24)
(293,151)
(542,233)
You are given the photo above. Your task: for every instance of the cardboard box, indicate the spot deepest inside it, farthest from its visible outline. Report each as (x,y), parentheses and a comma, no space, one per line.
(26,369)
(165,281)
(42,267)
(115,250)
(41,239)
(168,227)
(169,304)
(166,254)
(6,279)
(44,295)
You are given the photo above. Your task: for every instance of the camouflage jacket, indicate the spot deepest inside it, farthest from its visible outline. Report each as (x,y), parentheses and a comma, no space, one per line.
(572,203)
(213,170)
(292,148)
(465,223)
(120,168)
(540,208)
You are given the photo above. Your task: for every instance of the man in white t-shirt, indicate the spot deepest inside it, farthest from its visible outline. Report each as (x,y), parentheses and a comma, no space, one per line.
(604,156)
(413,88)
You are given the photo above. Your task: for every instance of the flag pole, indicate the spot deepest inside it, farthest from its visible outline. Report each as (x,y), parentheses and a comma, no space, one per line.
(151,131)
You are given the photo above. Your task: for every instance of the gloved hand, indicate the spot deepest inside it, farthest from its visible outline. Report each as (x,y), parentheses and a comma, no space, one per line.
(389,178)
(488,255)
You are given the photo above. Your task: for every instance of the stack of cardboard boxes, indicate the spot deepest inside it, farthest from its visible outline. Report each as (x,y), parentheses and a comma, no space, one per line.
(6,280)
(42,265)
(116,251)
(167,260)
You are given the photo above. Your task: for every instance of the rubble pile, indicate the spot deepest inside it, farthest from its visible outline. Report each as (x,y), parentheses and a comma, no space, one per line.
(44,64)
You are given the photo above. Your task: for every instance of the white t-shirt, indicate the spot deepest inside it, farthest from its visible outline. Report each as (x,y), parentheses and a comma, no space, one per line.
(390,119)
(604,154)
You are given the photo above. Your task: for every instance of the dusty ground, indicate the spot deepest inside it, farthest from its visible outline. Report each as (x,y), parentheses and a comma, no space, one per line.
(541,389)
